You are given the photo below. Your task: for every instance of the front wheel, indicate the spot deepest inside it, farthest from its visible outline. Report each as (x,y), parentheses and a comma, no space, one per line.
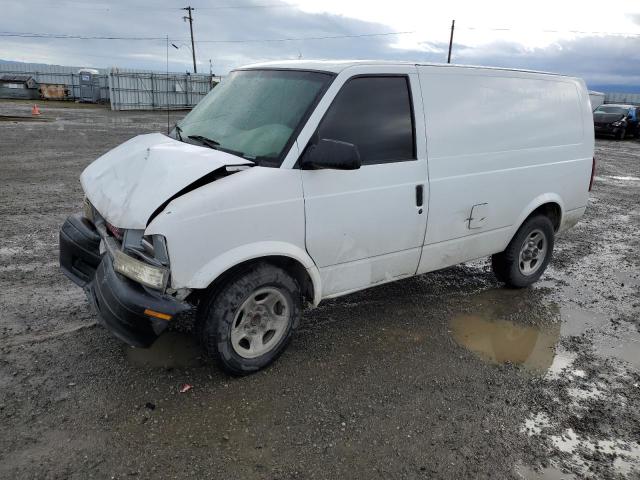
(527,255)
(247,323)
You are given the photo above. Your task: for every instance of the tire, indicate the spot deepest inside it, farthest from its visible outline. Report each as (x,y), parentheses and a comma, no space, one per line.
(621,134)
(248,322)
(527,255)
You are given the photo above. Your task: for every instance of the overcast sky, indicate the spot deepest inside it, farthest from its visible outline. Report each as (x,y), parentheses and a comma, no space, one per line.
(592,39)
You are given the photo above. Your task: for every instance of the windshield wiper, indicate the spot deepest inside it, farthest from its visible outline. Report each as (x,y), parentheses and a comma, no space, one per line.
(216,146)
(178,131)
(205,141)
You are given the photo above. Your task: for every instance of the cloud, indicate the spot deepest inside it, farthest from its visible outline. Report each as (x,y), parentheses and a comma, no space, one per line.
(598,59)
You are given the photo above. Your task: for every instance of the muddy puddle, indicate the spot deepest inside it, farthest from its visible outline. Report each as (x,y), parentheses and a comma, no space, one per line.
(521,328)
(23,118)
(502,341)
(508,326)
(171,350)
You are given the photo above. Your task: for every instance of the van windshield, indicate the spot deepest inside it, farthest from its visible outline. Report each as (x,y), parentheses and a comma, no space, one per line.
(254,113)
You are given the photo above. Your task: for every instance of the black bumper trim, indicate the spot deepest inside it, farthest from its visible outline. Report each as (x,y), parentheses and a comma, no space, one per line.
(120,304)
(79,249)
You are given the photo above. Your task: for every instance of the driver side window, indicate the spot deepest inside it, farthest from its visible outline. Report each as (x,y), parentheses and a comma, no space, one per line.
(375,114)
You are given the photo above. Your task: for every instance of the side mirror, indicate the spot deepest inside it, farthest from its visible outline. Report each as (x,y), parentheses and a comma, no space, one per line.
(331,154)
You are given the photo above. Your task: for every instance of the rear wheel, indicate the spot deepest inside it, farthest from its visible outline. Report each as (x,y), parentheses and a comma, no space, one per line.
(527,255)
(247,323)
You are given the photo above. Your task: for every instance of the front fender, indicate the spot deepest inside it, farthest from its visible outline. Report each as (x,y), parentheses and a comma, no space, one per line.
(203,277)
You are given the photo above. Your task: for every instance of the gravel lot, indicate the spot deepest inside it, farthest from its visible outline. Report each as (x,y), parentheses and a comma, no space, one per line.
(446,375)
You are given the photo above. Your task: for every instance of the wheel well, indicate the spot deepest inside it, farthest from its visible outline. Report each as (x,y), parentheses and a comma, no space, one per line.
(290,265)
(552,211)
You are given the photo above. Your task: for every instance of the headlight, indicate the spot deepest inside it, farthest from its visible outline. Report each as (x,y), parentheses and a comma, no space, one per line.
(154,277)
(619,123)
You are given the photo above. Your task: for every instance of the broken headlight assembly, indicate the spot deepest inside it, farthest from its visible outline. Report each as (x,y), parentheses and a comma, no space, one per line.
(149,275)
(143,258)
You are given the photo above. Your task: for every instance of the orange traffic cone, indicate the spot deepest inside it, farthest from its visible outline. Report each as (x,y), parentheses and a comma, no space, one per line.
(35,110)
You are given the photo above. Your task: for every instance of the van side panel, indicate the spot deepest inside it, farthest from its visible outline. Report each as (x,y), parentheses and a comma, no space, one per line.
(500,143)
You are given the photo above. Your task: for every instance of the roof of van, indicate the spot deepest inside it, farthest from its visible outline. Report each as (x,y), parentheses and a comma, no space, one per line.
(336,66)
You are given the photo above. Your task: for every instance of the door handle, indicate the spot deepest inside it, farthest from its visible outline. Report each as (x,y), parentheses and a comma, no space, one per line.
(419,195)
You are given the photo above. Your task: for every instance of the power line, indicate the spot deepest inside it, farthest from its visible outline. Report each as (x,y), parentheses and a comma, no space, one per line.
(259,40)
(274,5)
(289,39)
(73,37)
(156,7)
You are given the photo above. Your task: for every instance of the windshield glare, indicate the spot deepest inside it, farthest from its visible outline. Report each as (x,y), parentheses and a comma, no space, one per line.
(618,110)
(254,113)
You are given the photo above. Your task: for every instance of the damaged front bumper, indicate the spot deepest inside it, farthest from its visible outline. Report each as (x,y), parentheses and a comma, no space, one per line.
(133,313)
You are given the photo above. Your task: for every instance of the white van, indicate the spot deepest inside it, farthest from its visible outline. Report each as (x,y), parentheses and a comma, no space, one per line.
(294,182)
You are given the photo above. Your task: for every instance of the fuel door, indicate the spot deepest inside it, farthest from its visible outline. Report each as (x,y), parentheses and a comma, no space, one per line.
(478,216)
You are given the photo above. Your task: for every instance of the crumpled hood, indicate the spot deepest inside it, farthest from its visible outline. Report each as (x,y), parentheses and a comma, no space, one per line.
(127,184)
(607,117)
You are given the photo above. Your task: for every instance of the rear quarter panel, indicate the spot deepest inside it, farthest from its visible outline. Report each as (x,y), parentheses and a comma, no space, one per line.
(513,140)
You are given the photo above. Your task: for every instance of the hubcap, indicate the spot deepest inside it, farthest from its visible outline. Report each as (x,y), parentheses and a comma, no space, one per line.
(260,323)
(532,252)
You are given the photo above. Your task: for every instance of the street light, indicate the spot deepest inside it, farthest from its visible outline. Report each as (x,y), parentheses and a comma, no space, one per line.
(181,45)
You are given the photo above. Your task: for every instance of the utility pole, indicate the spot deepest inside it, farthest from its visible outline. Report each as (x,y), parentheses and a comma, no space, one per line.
(453,26)
(193,48)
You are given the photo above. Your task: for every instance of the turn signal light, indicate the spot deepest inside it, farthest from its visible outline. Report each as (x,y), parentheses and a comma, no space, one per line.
(160,315)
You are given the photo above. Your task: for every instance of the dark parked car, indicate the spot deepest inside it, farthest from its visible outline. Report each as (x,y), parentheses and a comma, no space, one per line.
(617,120)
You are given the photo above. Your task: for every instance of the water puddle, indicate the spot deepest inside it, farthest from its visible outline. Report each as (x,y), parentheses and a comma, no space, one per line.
(617,179)
(22,118)
(519,327)
(170,350)
(624,178)
(508,326)
(623,345)
(502,341)
(625,455)
(627,279)
(549,473)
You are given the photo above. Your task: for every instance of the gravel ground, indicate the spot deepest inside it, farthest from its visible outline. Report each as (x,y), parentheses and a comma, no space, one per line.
(446,375)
